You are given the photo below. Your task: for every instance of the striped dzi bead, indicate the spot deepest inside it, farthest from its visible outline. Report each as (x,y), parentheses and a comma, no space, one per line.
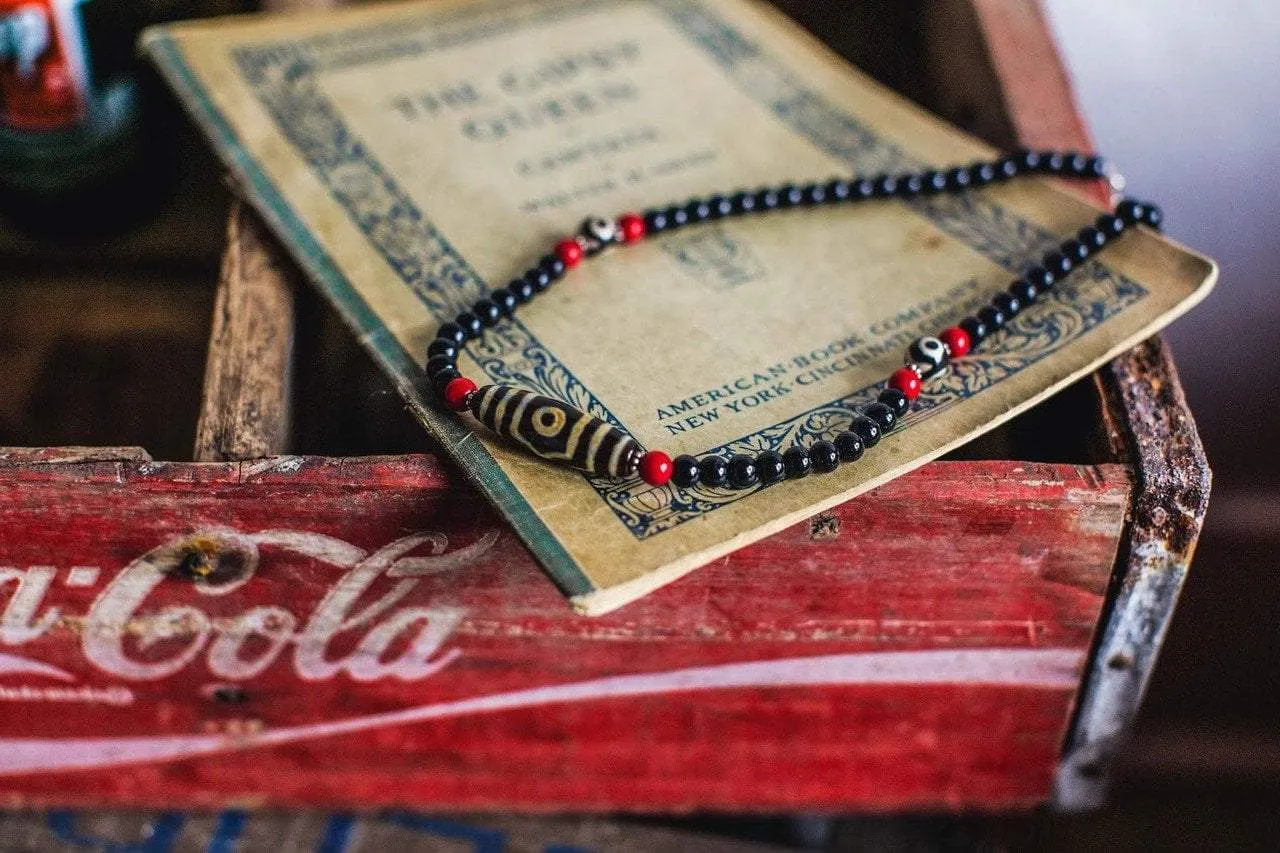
(553,430)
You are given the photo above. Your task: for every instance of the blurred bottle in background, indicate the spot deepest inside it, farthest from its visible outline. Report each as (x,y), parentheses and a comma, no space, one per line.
(84,146)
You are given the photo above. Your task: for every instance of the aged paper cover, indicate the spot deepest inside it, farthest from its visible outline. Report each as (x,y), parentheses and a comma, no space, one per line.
(414,156)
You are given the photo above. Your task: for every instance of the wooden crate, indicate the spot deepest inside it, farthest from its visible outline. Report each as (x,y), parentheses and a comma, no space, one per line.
(976,635)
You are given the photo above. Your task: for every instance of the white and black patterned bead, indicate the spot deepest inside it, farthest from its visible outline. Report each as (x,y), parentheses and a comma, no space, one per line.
(557,431)
(930,353)
(597,234)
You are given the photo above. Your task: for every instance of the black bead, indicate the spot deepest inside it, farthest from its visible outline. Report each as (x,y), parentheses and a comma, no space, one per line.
(538,279)
(976,329)
(505,300)
(677,217)
(437,363)
(910,185)
(824,457)
(1076,165)
(958,179)
(522,289)
(790,195)
(1007,304)
(1111,225)
(796,461)
(1131,211)
(442,379)
(1058,264)
(904,186)
(1092,239)
(1096,167)
(1154,217)
(487,312)
(1006,168)
(770,467)
(442,346)
(982,174)
(934,182)
(813,194)
(742,471)
(850,447)
(742,202)
(452,332)
(885,186)
(895,400)
(863,189)
(655,221)
(1074,251)
(720,206)
(470,324)
(867,429)
(767,199)
(685,471)
(698,210)
(1028,161)
(552,266)
(713,470)
(1052,163)
(993,317)
(1024,290)
(838,189)
(1042,278)
(882,415)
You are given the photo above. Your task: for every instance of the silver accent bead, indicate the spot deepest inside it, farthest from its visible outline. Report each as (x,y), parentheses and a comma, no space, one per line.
(597,234)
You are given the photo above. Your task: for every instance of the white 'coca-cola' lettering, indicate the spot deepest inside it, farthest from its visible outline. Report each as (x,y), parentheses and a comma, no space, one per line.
(17,625)
(244,646)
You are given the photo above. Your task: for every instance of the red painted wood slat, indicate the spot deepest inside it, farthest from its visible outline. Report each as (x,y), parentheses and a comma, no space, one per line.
(918,647)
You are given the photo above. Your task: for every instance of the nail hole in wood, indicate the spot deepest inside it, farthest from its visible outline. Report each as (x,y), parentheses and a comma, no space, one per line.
(824,526)
(1119,661)
(230,694)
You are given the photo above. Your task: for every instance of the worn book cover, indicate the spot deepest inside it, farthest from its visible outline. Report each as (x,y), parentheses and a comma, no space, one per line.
(414,156)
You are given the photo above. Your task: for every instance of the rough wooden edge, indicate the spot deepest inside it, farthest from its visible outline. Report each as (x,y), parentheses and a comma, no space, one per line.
(1147,420)
(1147,411)
(66,456)
(244,409)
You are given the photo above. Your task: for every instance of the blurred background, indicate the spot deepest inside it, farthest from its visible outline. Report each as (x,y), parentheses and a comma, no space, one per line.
(106,298)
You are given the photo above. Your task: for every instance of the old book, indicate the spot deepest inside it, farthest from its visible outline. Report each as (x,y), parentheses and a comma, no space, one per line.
(413,156)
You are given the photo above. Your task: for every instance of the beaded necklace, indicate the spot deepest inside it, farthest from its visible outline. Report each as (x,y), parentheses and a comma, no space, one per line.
(556,431)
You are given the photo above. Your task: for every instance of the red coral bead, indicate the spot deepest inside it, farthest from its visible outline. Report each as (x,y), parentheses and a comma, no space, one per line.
(569,251)
(656,468)
(632,227)
(458,393)
(957,340)
(906,381)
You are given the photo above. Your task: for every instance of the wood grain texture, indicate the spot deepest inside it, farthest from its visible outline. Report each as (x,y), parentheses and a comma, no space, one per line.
(244,411)
(978,567)
(311,832)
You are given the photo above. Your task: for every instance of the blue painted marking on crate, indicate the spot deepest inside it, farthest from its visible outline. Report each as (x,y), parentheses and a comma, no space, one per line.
(161,834)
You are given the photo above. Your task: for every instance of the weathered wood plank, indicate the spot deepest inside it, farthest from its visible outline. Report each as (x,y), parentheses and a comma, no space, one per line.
(309,832)
(244,411)
(918,648)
